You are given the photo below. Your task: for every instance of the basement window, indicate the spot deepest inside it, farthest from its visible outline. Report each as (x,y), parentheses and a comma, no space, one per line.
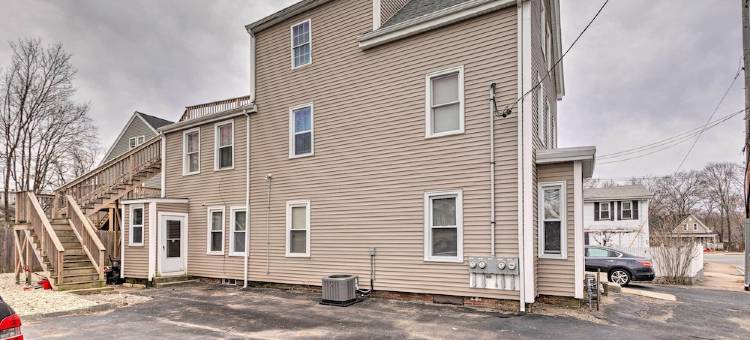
(136,225)
(298,229)
(443,226)
(552,228)
(215,231)
(445,103)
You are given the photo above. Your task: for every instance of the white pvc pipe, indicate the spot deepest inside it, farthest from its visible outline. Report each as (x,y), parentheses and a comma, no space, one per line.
(492,169)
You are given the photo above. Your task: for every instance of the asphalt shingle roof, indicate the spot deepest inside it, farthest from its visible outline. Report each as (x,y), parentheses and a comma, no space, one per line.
(155,122)
(417,8)
(624,191)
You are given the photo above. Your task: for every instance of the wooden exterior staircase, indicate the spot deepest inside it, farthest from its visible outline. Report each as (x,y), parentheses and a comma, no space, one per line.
(57,230)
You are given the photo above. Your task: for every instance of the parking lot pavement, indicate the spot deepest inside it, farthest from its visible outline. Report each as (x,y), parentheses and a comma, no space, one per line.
(200,311)
(735,259)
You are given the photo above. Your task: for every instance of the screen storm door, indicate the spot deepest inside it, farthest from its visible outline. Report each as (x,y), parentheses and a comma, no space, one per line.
(172,235)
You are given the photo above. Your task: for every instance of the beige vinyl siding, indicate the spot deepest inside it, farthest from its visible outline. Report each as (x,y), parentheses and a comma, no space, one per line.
(135,129)
(136,257)
(389,7)
(209,188)
(556,276)
(372,163)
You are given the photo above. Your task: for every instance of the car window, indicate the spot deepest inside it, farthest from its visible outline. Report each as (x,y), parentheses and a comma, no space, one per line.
(597,252)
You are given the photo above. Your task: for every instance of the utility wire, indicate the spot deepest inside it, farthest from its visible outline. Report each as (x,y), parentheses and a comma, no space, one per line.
(559,60)
(726,93)
(674,140)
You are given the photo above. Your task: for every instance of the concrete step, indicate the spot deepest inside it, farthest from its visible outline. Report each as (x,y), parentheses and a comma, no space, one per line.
(172,283)
(167,279)
(80,285)
(91,291)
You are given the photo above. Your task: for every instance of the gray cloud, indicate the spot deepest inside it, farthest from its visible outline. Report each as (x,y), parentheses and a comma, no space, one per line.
(646,70)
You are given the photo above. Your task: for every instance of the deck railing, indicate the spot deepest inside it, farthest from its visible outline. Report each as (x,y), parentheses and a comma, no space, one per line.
(29,210)
(197,111)
(86,234)
(117,172)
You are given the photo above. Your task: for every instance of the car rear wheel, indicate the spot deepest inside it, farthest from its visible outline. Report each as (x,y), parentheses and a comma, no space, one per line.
(620,277)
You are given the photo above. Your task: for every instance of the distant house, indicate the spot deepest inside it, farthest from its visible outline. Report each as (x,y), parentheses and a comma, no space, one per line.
(693,228)
(616,216)
(140,128)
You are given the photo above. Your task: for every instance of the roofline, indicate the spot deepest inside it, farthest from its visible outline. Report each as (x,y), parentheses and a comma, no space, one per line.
(612,198)
(208,119)
(122,132)
(156,200)
(427,22)
(283,14)
(585,154)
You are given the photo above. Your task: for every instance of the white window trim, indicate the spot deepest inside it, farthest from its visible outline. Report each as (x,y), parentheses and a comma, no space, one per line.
(289,206)
(232,220)
(137,143)
(291,43)
(143,225)
(209,220)
(563,220)
(217,138)
(622,210)
(428,196)
(609,211)
(428,102)
(292,133)
(185,164)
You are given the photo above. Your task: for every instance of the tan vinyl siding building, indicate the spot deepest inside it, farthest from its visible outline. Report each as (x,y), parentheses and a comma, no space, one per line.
(136,255)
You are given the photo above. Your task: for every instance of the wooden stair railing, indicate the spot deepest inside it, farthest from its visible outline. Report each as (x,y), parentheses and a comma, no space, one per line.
(29,211)
(111,177)
(86,234)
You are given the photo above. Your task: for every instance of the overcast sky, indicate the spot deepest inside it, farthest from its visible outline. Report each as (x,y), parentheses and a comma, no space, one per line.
(646,69)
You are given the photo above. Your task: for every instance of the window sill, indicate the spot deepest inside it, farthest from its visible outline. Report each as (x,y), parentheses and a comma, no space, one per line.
(215,253)
(552,257)
(185,174)
(135,245)
(236,254)
(444,259)
(224,169)
(302,156)
(295,68)
(297,255)
(444,134)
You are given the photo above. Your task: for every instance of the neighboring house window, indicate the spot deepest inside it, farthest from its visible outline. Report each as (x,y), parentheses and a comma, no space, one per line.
(443,226)
(301,139)
(627,210)
(298,228)
(191,154)
(216,231)
(135,141)
(685,227)
(301,44)
(136,225)
(604,211)
(445,102)
(237,221)
(695,226)
(552,219)
(224,151)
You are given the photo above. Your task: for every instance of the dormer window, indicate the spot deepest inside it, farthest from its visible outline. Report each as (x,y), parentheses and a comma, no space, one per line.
(301,44)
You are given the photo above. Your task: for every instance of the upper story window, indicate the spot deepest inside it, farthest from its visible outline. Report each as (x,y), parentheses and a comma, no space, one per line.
(604,213)
(443,226)
(301,142)
(224,141)
(191,152)
(445,103)
(135,141)
(627,210)
(552,220)
(301,44)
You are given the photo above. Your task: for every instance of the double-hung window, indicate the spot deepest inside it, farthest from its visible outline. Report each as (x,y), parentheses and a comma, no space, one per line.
(224,141)
(237,221)
(627,210)
(301,137)
(135,141)
(298,228)
(443,226)
(136,225)
(444,112)
(301,44)
(215,242)
(552,240)
(191,152)
(604,211)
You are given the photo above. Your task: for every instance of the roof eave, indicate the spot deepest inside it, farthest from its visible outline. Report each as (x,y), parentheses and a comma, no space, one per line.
(584,154)
(283,14)
(247,109)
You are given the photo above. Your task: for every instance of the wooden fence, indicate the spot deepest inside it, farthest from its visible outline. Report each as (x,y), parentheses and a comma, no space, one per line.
(6,248)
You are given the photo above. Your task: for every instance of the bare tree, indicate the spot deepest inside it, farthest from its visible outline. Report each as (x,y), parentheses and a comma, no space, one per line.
(40,126)
(722,187)
(674,198)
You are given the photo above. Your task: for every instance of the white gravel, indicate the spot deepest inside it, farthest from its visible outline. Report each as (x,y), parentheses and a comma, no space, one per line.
(28,301)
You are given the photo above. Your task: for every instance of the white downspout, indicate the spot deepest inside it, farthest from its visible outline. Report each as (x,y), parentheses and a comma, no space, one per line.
(247,196)
(492,168)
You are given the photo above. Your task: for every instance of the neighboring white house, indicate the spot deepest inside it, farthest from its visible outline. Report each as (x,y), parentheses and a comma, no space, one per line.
(616,216)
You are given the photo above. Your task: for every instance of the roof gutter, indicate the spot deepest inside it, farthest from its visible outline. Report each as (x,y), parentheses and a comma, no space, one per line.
(209,119)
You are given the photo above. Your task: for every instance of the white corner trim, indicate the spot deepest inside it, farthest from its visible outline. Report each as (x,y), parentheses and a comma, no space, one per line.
(519,140)
(122,241)
(151,240)
(252,67)
(526,116)
(578,222)
(563,220)
(376,14)
(163,166)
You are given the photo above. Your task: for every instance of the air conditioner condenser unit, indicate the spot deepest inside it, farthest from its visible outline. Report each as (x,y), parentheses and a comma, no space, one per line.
(339,290)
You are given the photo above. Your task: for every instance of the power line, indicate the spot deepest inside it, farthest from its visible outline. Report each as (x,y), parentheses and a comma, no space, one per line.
(726,93)
(549,72)
(672,141)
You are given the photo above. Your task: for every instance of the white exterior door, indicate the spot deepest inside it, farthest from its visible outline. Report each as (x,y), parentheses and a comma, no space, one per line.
(173,244)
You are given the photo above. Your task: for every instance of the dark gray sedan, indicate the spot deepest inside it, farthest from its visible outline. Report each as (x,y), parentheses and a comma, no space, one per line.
(621,268)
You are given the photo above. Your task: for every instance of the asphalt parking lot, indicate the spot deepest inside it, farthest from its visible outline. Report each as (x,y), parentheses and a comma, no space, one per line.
(201,311)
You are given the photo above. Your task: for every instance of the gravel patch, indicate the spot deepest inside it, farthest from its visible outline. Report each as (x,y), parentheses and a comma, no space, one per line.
(28,301)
